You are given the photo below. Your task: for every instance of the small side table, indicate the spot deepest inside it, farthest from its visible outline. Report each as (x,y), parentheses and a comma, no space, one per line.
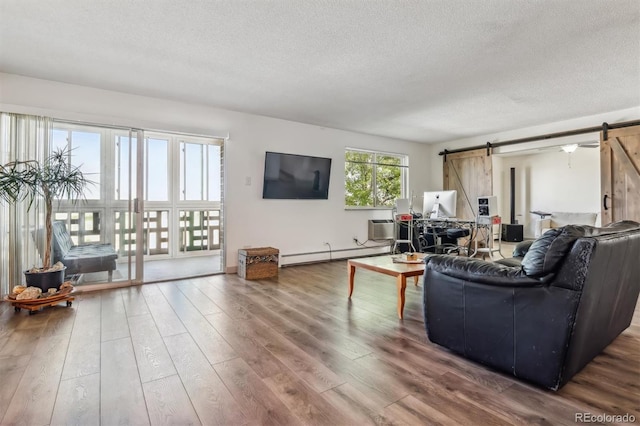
(399,220)
(487,223)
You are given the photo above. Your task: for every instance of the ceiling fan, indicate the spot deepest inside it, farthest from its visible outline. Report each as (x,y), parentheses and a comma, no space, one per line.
(569,148)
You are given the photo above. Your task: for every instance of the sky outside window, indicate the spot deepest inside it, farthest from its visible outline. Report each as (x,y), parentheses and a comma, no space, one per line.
(157,170)
(85,154)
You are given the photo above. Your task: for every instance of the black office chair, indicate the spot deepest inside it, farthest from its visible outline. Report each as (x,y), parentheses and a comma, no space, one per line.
(444,239)
(456,234)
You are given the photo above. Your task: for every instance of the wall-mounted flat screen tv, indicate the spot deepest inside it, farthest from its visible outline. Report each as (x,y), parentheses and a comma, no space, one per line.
(296,177)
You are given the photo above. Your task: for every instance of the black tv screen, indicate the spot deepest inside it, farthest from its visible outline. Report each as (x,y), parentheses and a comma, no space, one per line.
(295,177)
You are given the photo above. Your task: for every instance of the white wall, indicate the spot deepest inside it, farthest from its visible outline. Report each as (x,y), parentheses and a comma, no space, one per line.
(293,226)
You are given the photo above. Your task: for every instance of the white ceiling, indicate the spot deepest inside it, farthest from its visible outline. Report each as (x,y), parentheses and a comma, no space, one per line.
(428,71)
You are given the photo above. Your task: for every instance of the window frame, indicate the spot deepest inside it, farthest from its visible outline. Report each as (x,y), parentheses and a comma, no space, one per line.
(103,184)
(404,175)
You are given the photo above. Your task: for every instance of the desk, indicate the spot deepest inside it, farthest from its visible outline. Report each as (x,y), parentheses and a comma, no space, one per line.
(449,222)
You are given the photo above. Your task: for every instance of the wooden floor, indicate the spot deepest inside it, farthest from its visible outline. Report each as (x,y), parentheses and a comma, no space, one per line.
(221,350)
(161,270)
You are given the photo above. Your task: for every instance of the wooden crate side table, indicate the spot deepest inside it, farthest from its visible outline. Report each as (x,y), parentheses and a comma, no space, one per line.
(258,263)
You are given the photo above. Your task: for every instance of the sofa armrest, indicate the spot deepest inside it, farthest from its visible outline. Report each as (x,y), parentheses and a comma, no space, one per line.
(480,271)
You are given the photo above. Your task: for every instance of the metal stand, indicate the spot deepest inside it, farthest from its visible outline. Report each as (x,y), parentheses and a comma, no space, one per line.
(400,218)
(487,223)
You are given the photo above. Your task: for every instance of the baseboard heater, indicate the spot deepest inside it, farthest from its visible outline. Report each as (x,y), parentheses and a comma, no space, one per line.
(330,252)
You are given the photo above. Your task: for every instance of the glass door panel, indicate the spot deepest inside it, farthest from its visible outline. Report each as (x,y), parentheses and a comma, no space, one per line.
(84,148)
(156,166)
(182,215)
(93,257)
(105,218)
(128,231)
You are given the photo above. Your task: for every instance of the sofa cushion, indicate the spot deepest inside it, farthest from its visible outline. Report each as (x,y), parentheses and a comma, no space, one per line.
(510,261)
(521,249)
(546,253)
(90,258)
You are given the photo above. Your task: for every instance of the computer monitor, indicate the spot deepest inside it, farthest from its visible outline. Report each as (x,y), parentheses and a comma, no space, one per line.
(445,201)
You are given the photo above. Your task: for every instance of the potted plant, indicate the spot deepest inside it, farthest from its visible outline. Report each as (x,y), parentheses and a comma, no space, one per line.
(31,181)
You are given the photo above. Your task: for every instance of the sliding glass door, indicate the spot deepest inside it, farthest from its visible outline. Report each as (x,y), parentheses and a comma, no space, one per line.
(183,204)
(154,202)
(105,219)
(180,204)
(127,202)
(88,238)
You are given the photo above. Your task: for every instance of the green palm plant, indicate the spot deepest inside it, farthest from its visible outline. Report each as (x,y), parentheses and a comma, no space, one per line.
(32,180)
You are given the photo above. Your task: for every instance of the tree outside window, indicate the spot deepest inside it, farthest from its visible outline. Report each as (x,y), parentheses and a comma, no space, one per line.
(374,179)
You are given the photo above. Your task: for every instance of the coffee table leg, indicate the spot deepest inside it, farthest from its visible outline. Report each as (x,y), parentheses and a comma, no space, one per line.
(415,280)
(401,282)
(352,274)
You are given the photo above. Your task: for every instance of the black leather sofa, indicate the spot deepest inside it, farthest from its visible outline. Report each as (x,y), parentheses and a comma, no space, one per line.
(543,320)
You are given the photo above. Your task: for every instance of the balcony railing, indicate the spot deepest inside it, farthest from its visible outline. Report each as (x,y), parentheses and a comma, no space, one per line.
(198,230)
(155,233)
(83,227)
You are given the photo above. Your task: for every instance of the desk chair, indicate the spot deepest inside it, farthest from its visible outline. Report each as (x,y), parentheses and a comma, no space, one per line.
(444,240)
(456,234)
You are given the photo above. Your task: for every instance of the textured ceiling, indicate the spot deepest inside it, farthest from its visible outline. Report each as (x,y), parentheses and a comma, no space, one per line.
(428,71)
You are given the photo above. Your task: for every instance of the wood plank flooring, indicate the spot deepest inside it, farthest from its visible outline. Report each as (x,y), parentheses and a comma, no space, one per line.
(289,351)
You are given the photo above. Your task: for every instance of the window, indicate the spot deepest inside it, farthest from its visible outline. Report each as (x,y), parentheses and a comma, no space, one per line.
(84,153)
(182,178)
(199,171)
(374,179)
(157,170)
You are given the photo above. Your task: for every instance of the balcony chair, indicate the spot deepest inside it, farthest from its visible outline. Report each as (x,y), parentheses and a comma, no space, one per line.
(83,258)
